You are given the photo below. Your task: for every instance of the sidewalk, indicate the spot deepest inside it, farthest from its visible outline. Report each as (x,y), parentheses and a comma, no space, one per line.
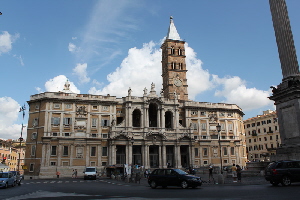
(254,180)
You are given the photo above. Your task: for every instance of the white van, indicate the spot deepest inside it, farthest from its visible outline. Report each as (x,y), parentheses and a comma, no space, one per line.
(90,173)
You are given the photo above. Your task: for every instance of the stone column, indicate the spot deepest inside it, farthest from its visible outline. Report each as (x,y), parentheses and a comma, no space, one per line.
(87,158)
(71,154)
(284,38)
(178,156)
(158,118)
(192,154)
(147,160)
(59,150)
(99,154)
(164,156)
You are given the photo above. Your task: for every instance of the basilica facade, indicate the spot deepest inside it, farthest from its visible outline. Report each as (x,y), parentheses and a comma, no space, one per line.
(161,129)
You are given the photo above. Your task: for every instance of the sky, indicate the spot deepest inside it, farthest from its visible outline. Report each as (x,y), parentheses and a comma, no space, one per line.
(106,46)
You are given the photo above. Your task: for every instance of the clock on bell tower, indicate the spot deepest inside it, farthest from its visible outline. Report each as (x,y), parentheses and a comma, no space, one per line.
(173,65)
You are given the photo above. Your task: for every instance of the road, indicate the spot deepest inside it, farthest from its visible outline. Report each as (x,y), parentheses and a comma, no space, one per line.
(79,189)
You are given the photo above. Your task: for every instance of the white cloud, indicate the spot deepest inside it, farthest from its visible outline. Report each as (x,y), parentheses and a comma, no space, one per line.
(80,71)
(9,111)
(20,59)
(73,48)
(142,66)
(235,91)
(57,84)
(6,41)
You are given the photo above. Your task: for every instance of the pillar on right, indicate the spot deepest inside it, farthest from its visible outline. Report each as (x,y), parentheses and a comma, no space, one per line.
(287,94)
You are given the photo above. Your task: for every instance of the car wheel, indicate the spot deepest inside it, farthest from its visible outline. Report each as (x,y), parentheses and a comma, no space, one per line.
(19,183)
(153,184)
(184,184)
(274,183)
(13,185)
(286,181)
(6,185)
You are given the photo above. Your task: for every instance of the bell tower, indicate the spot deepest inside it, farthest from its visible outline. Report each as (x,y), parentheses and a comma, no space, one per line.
(173,66)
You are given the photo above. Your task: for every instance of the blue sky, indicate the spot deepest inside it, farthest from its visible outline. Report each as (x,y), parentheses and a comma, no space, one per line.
(105,47)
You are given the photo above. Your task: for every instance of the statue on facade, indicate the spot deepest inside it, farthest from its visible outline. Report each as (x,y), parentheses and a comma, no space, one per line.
(129,91)
(145,91)
(152,86)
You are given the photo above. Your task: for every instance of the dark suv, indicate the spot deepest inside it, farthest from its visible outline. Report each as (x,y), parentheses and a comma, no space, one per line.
(284,172)
(173,177)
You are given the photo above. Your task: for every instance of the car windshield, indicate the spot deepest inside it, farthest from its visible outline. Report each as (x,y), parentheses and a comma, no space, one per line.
(179,171)
(3,175)
(90,169)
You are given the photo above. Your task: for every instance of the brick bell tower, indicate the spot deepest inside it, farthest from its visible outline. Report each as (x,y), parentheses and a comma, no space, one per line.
(173,66)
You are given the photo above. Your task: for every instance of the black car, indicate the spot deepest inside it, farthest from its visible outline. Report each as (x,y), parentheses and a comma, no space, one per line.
(284,172)
(173,177)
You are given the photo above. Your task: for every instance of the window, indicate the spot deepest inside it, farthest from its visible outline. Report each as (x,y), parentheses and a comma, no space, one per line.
(53,150)
(33,136)
(67,134)
(68,106)
(253,124)
(105,122)
(222,126)
(173,65)
(94,122)
(95,107)
(202,113)
(104,151)
(203,126)
(229,114)
(93,163)
(179,52)
(172,50)
(263,122)
(180,66)
(65,151)
(271,138)
(37,107)
(205,153)
(275,128)
(103,163)
(205,162)
(52,163)
(93,151)
(248,125)
(94,135)
(222,114)
(67,121)
(194,126)
(56,105)
(196,152)
(33,148)
(31,168)
(269,121)
(35,122)
(258,124)
(232,151)
(265,138)
(225,153)
(104,135)
(249,140)
(54,134)
(230,127)
(194,112)
(55,121)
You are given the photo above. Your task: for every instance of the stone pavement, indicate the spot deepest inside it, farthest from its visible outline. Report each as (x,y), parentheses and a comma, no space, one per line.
(253,180)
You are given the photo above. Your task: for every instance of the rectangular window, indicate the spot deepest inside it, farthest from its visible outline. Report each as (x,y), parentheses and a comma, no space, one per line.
(54,134)
(52,163)
(205,162)
(31,168)
(93,163)
(67,134)
(222,126)
(67,121)
(203,126)
(225,153)
(68,106)
(202,113)
(53,150)
(105,122)
(55,121)
(104,108)
(232,151)
(93,151)
(66,151)
(230,127)
(94,122)
(33,148)
(95,107)
(56,105)
(104,135)
(196,152)
(104,151)
(103,163)
(205,153)
(33,136)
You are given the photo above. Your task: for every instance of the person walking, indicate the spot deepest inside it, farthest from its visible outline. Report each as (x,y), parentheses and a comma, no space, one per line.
(234,174)
(75,173)
(57,174)
(239,173)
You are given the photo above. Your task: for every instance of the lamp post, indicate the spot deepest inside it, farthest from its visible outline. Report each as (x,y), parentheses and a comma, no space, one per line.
(219,130)
(22,109)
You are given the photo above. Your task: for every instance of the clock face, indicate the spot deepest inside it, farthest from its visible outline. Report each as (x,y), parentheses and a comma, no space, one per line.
(177,82)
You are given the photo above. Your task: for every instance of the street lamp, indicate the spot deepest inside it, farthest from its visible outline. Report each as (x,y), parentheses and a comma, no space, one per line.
(21,140)
(219,130)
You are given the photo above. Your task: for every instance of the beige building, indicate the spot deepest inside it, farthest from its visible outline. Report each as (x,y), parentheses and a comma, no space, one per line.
(10,149)
(70,131)
(262,136)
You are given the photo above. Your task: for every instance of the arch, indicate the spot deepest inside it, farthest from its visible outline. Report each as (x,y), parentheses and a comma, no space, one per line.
(168,119)
(136,118)
(153,108)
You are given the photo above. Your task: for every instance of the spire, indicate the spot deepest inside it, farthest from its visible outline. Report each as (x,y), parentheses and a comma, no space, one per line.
(172,32)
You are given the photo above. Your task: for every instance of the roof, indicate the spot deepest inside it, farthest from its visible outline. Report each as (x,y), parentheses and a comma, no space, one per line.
(172,32)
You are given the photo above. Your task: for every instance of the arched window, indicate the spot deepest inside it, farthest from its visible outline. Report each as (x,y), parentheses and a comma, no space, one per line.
(173,65)
(153,115)
(136,118)
(179,52)
(172,50)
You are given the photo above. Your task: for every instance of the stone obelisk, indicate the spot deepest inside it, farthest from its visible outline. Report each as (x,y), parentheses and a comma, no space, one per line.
(287,94)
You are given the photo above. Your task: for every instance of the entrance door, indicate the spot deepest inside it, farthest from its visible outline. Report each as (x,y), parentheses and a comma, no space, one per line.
(184,152)
(154,156)
(121,154)
(170,156)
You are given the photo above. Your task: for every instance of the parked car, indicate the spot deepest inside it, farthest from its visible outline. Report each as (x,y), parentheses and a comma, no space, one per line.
(284,172)
(173,177)
(17,176)
(7,179)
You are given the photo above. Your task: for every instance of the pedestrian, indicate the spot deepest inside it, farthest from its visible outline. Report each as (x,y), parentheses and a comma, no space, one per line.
(75,173)
(234,174)
(210,170)
(239,173)
(146,173)
(57,174)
